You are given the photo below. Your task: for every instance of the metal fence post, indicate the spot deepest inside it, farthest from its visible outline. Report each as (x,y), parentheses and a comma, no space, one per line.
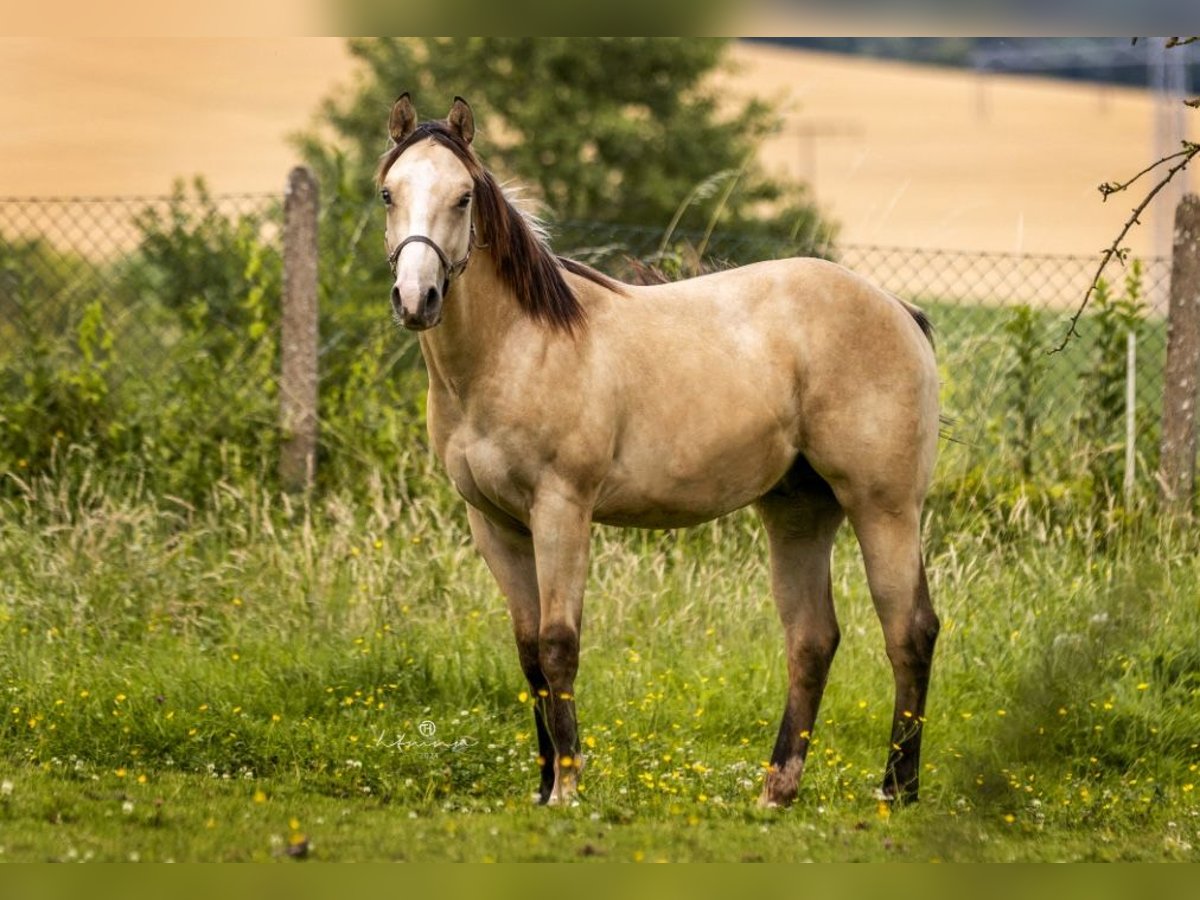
(1177,469)
(298,335)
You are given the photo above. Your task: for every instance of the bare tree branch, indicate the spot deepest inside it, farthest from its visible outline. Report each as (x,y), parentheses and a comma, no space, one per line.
(1110,187)
(1184,156)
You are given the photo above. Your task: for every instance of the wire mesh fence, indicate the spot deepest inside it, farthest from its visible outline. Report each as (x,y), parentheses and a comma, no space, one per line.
(139,330)
(136,324)
(1012,396)
(143,259)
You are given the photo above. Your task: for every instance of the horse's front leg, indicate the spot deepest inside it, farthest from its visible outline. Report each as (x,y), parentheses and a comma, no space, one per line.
(560,521)
(507,548)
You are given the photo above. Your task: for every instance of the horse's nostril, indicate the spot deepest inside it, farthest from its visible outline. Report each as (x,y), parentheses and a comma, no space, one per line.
(395,298)
(431,297)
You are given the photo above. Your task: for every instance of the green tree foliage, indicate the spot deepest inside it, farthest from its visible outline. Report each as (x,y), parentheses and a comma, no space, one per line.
(612,130)
(207,264)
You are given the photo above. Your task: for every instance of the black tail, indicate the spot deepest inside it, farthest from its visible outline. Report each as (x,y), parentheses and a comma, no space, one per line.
(923,322)
(919,317)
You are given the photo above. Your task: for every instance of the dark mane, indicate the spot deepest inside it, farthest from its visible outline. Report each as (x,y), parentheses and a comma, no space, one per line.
(525,263)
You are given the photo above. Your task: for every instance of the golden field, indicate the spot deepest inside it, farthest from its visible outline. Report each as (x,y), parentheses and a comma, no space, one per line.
(900,155)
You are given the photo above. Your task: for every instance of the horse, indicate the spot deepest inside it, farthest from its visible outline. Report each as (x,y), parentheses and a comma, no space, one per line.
(559,397)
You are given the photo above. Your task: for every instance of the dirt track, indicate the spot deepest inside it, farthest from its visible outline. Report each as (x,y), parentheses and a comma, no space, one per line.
(905,155)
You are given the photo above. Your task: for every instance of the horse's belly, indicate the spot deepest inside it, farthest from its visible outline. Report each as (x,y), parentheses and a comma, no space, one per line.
(671,487)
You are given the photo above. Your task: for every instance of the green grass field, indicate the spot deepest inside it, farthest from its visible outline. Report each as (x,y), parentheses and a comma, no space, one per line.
(265,679)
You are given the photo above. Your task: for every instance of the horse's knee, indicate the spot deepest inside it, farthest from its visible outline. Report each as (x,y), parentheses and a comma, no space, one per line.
(812,653)
(926,627)
(923,634)
(558,654)
(915,646)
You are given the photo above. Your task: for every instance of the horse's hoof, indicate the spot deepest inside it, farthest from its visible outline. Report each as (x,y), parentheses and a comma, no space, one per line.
(781,785)
(903,798)
(767,801)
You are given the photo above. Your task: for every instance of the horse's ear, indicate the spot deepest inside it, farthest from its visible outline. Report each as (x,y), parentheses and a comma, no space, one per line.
(462,120)
(403,120)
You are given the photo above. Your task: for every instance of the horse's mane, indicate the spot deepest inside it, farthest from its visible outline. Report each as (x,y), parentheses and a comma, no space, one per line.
(524,260)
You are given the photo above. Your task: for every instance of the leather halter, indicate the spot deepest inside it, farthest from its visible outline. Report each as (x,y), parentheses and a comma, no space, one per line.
(450,270)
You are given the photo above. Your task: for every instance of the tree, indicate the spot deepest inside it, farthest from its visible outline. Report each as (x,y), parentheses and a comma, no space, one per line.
(613,130)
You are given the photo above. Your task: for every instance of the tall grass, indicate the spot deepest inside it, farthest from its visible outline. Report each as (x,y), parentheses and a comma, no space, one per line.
(260,636)
(351,646)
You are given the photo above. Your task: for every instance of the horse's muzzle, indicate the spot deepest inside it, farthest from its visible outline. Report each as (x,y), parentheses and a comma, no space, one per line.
(427,314)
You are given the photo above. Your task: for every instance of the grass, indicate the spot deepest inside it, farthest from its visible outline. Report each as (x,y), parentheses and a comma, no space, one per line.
(263,678)
(986,388)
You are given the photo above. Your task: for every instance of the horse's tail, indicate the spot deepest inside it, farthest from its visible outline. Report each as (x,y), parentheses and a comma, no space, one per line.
(919,316)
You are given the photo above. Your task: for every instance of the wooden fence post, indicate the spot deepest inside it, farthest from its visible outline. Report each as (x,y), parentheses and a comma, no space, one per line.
(1177,468)
(298,333)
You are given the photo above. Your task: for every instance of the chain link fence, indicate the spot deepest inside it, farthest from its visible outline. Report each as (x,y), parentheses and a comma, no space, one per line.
(145,260)
(1011,396)
(139,331)
(137,324)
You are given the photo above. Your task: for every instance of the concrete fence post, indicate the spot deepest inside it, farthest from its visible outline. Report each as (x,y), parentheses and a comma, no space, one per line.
(298,333)
(1177,467)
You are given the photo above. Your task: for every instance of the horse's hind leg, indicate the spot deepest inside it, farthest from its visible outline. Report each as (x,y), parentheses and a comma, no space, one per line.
(801,521)
(891,546)
(508,553)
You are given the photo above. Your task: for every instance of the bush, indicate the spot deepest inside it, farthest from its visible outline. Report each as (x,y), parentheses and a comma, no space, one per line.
(160,364)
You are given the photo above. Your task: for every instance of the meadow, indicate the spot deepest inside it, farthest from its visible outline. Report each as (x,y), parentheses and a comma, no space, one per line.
(265,677)
(198,666)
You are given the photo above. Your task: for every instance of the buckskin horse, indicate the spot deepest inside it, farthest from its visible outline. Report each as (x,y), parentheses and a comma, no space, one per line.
(559,397)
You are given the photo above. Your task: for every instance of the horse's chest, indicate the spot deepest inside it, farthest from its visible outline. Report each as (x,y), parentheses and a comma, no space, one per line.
(488,476)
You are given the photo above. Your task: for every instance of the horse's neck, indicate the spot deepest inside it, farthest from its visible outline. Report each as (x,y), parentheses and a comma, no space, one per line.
(480,312)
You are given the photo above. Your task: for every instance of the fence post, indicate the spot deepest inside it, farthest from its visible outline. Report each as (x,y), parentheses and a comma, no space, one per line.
(1177,469)
(298,333)
(1130,414)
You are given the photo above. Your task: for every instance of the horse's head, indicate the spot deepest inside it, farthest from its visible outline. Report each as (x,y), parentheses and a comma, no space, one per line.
(427,185)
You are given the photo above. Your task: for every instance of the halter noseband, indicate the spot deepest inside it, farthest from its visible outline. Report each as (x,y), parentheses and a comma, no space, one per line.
(450,270)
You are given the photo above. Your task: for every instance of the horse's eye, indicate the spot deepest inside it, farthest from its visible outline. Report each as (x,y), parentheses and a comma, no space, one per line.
(386,196)
(464,201)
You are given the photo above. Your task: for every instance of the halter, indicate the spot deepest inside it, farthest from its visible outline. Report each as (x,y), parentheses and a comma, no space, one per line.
(450,270)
